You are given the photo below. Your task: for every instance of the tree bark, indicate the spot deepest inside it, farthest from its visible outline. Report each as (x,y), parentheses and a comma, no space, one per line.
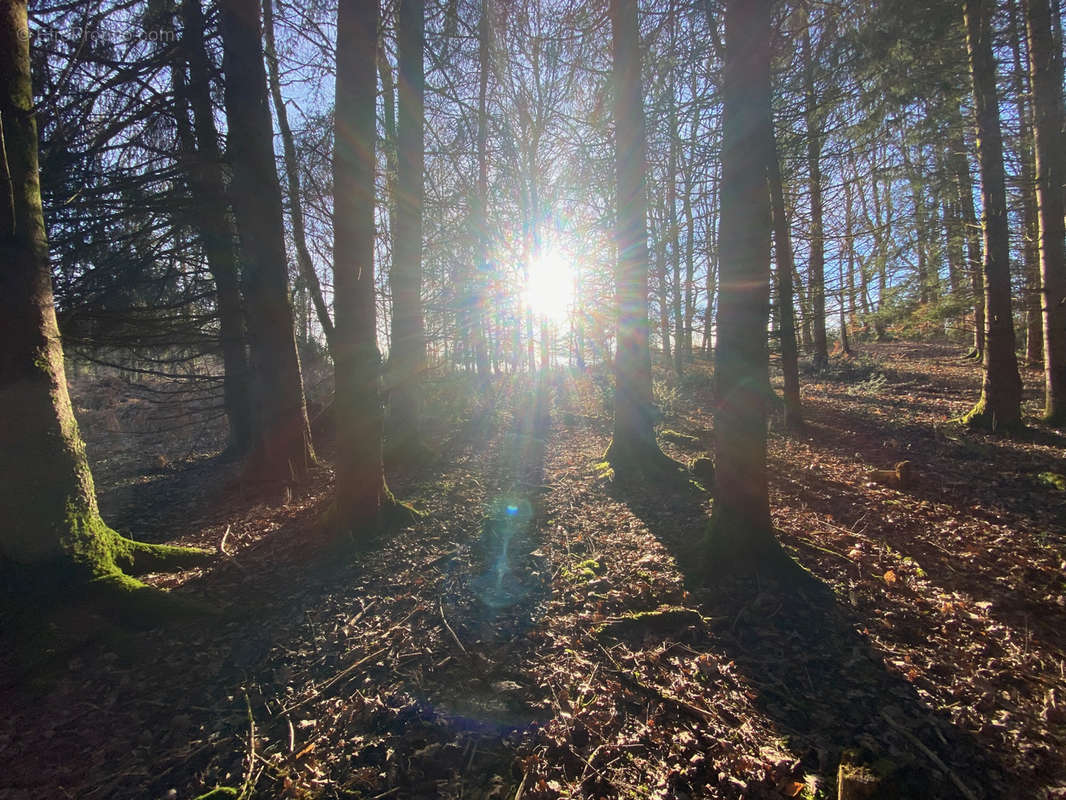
(481,225)
(741,531)
(1051,175)
(292,175)
(633,447)
(786,313)
(816,273)
(407,360)
(215,226)
(849,247)
(662,284)
(1034,329)
(282,449)
(52,528)
(960,168)
(671,222)
(362,496)
(999,407)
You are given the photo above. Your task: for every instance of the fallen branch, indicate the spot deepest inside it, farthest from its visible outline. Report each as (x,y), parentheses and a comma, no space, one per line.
(444,619)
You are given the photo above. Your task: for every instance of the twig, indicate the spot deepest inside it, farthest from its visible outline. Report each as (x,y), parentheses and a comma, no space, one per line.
(222,541)
(701,714)
(962,787)
(444,619)
(246,788)
(521,787)
(329,682)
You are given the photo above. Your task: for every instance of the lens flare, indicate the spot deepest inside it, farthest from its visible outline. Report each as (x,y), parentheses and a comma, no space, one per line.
(550,286)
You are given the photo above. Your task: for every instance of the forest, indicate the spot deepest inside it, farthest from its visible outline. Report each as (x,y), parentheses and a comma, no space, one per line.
(532,399)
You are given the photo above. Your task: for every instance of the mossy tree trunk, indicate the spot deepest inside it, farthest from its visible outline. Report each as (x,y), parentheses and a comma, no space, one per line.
(1050,140)
(408,354)
(282,449)
(999,407)
(52,528)
(633,447)
(215,226)
(741,532)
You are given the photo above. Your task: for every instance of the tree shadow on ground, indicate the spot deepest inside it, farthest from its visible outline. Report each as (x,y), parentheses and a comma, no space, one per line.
(1019,592)
(310,629)
(960,468)
(816,676)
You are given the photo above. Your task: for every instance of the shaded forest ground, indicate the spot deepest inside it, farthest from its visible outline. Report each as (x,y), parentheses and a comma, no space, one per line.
(497,649)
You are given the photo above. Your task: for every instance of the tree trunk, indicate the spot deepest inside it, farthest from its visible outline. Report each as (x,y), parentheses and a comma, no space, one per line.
(921,230)
(481,224)
(663,287)
(633,447)
(282,449)
(740,530)
(999,408)
(849,245)
(1051,175)
(816,272)
(361,494)
(712,271)
(407,359)
(786,313)
(215,225)
(672,229)
(960,167)
(690,265)
(52,527)
(292,175)
(1034,333)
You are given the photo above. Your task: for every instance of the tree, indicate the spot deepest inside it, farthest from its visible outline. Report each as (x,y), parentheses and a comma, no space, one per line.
(215,225)
(816,271)
(786,315)
(1034,329)
(408,353)
(362,498)
(282,449)
(741,531)
(292,176)
(999,407)
(1050,140)
(633,446)
(481,196)
(52,528)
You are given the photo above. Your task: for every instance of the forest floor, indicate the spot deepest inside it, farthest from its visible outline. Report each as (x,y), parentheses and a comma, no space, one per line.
(497,647)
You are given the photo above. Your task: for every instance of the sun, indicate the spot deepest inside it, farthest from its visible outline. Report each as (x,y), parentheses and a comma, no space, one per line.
(550,285)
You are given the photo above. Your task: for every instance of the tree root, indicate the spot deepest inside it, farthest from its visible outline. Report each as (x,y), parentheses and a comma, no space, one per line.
(139,558)
(645,461)
(135,603)
(982,418)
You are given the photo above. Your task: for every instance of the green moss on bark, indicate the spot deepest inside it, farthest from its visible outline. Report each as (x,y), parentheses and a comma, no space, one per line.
(983,418)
